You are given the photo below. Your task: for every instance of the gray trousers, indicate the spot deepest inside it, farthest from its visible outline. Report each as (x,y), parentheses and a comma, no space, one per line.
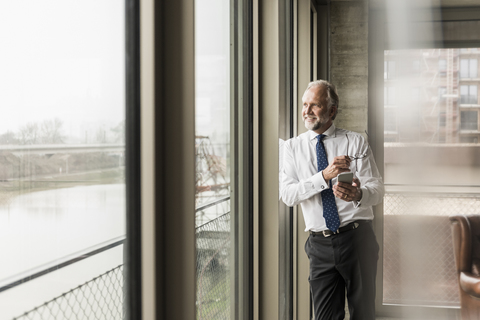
(345,261)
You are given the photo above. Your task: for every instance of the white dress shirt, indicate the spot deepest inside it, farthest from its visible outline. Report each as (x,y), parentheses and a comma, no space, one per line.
(302,183)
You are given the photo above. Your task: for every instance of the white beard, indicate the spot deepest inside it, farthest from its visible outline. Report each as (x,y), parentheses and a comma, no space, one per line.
(314,125)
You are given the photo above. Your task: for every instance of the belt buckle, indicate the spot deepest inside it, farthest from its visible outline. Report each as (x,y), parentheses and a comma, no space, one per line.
(327,233)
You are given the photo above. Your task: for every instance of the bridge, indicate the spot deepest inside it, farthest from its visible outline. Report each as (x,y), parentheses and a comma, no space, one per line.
(50,149)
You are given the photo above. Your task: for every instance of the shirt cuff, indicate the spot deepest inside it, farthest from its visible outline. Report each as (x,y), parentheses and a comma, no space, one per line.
(319,183)
(358,203)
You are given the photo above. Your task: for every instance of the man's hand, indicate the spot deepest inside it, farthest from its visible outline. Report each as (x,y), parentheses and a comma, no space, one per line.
(339,164)
(348,192)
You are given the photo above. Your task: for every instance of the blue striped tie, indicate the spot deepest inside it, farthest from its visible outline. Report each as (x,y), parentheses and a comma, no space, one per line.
(330,212)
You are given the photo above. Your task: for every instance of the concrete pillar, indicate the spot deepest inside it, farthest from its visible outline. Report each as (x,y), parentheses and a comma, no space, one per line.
(349,62)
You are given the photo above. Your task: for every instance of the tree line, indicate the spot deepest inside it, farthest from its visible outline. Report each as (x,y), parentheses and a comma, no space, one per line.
(51,132)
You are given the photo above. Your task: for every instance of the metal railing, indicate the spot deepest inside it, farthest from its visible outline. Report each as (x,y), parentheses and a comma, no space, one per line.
(213,257)
(210,211)
(102,297)
(213,280)
(58,264)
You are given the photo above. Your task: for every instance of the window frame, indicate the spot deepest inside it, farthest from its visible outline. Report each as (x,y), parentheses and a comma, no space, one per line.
(133,246)
(167,150)
(242,158)
(286,129)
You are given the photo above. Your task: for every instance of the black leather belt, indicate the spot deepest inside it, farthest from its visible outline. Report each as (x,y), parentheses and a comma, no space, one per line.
(348,227)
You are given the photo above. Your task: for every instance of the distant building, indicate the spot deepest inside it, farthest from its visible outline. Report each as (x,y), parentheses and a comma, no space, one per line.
(431,95)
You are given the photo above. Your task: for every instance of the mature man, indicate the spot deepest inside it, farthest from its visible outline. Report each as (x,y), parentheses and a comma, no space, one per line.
(342,247)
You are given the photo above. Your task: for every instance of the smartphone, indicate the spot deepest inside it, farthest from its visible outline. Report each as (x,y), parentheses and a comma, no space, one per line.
(345,177)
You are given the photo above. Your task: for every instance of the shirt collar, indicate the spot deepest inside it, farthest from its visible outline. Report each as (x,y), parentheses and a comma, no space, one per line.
(330,132)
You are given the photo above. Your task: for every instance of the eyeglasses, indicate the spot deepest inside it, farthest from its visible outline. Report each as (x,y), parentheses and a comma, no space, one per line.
(357,156)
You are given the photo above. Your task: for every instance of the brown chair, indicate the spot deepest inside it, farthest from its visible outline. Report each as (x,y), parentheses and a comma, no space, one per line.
(466,246)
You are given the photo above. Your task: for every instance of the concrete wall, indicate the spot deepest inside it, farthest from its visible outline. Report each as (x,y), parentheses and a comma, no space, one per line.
(349,62)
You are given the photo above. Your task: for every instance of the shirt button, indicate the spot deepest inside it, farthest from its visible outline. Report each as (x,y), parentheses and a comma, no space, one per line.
(323,187)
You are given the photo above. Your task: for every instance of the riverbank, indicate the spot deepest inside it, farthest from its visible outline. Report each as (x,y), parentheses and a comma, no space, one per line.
(14,187)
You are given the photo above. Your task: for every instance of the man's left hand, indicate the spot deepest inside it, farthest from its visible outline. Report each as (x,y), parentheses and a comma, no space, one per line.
(348,192)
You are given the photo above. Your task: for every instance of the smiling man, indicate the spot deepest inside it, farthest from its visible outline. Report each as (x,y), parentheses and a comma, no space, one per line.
(342,247)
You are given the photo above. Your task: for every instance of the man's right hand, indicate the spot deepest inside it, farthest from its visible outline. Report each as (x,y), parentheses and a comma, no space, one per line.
(339,164)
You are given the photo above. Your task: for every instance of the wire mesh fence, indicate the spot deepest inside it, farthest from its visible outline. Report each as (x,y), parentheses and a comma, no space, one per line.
(213,281)
(102,297)
(418,258)
(98,299)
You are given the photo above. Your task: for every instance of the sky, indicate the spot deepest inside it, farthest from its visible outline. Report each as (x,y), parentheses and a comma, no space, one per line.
(63,59)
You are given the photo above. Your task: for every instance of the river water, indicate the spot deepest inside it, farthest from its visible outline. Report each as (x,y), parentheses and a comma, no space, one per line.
(40,227)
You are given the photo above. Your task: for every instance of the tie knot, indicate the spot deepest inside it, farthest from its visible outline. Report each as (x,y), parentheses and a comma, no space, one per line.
(320,137)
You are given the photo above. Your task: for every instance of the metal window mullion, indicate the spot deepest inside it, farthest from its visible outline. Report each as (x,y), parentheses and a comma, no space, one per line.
(242,158)
(133,265)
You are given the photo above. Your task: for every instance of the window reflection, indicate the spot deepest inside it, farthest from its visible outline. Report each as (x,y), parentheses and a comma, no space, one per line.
(390,121)
(389,72)
(389,96)
(430,172)
(453,86)
(442,91)
(416,66)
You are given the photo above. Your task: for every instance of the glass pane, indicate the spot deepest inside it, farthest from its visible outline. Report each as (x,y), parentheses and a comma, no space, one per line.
(473,95)
(473,68)
(464,68)
(62,195)
(469,120)
(442,65)
(464,94)
(430,174)
(212,126)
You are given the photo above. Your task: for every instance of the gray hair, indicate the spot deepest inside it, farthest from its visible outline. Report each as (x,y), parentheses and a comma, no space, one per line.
(332,96)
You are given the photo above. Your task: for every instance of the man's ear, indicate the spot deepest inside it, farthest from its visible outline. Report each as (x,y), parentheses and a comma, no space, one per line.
(333,112)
